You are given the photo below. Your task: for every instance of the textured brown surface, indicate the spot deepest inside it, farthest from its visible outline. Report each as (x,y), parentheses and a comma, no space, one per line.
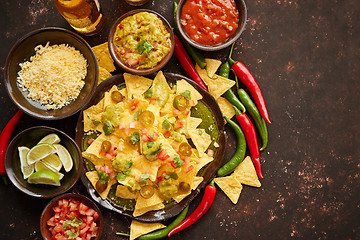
(305,56)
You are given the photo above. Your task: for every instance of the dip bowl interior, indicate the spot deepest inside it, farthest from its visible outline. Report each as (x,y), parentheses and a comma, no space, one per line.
(21,52)
(140,71)
(29,138)
(48,212)
(241,7)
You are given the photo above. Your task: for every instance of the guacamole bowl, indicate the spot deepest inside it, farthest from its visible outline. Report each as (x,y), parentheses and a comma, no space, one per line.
(212,122)
(141,42)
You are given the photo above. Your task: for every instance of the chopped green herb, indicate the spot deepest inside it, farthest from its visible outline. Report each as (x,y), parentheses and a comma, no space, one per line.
(186,94)
(120,176)
(95,122)
(200,132)
(137,114)
(148,93)
(75,222)
(104,177)
(178,161)
(171,175)
(108,128)
(144,47)
(135,137)
(72,234)
(143,178)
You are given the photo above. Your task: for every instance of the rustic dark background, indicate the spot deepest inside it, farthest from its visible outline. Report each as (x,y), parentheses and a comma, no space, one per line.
(305,56)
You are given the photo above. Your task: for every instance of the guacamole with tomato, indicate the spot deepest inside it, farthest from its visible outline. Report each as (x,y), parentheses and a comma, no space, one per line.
(142,40)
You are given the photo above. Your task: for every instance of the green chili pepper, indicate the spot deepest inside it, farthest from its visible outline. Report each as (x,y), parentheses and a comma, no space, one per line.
(240,150)
(255,114)
(164,232)
(193,52)
(229,94)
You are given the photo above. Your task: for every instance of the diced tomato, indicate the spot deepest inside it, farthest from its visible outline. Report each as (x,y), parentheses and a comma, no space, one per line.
(84,230)
(176,112)
(178,125)
(51,221)
(132,125)
(153,101)
(90,212)
(56,209)
(210,152)
(163,155)
(90,141)
(145,138)
(188,169)
(133,104)
(167,134)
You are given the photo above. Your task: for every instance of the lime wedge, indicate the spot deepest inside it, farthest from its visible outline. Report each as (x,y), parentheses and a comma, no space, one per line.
(26,169)
(64,156)
(44,177)
(52,161)
(39,152)
(40,166)
(50,138)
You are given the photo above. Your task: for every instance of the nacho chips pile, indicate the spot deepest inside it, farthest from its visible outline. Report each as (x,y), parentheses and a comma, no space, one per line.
(146,142)
(105,61)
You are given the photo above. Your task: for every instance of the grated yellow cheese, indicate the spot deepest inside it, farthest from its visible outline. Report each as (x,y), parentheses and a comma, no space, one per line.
(54,76)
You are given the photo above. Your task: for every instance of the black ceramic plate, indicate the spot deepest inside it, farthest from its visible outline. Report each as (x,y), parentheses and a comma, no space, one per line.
(174,209)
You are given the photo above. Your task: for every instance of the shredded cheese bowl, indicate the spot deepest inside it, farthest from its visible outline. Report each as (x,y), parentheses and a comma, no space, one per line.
(51,73)
(203,121)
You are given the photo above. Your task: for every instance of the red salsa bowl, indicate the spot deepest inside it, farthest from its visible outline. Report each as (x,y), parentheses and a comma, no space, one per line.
(211,25)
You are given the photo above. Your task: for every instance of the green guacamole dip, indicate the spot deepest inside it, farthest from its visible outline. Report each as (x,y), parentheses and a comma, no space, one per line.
(142,40)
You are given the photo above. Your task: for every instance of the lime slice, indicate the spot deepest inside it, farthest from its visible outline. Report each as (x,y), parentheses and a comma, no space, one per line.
(64,156)
(39,152)
(40,166)
(50,138)
(52,161)
(44,177)
(26,169)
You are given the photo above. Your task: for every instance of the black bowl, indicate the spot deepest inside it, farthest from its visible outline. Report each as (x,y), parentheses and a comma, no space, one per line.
(171,210)
(29,138)
(24,49)
(240,4)
(48,212)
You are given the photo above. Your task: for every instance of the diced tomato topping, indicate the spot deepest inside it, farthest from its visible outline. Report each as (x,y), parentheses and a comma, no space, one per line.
(210,152)
(178,125)
(90,141)
(188,169)
(153,101)
(163,155)
(176,112)
(133,104)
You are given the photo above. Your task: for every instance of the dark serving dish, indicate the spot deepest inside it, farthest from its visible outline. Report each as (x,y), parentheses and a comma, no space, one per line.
(144,71)
(24,49)
(29,138)
(173,209)
(240,4)
(48,212)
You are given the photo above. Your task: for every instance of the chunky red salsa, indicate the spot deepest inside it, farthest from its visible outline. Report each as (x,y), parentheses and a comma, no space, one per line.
(209,21)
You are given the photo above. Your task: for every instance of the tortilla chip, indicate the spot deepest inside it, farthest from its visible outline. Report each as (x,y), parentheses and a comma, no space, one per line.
(217,85)
(200,138)
(103,57)
(212,65)
(103,74)
(193,122)
(245,173)
(136,85)
(204,160)
(138,229)
(183,85)
(145,205)
(123,192)
(230,186)
(93,178)
(141,165)
(92,118)
(226,107)
(196,181)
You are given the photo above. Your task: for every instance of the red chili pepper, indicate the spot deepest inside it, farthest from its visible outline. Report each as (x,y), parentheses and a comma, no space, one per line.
(5,138)
(205,204)
(250,83)
(185,61)
(250,136)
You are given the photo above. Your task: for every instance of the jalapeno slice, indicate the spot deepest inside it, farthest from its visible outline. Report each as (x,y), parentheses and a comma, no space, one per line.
(180,102)
(147,118)
(185,149)
(184,187)
(105,146)
(116,96)
(147,191)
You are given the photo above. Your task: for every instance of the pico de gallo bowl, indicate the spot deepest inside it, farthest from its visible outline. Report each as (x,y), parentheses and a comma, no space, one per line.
(71,216)
(141,41)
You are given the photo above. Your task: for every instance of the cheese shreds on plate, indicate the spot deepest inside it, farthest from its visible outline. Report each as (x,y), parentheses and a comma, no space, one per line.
(54,76)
